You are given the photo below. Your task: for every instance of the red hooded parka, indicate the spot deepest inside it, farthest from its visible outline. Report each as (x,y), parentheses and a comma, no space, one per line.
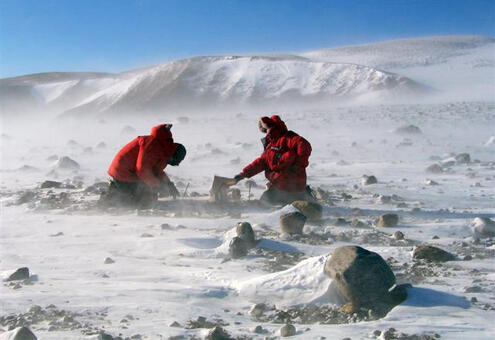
(284,159)
(144,158)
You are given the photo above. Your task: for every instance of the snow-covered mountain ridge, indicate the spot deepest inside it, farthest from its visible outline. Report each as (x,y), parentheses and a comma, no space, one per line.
(377,72)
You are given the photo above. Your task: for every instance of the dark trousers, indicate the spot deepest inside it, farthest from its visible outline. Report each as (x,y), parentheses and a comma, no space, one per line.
(274,196)
(130,194)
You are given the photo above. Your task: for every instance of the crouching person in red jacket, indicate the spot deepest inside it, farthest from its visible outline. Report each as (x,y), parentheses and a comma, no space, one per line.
(137,169)
(284,161)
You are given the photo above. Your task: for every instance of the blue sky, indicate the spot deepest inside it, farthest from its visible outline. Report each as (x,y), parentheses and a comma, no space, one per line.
(116,35)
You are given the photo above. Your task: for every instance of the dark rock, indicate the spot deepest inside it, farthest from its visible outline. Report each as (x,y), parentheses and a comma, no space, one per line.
(432,254)
(50,184)
(245,231)
(287,330)
(408,130)
(362,277)
(463,158)
(19,274)
(367,180)
(108,260)
(434,169)
(312,210)
(387,221)
(175,324)
(218,333)
(238,248)
(105,336)
(258,330)
(341,222)
(258,309)
(292,223)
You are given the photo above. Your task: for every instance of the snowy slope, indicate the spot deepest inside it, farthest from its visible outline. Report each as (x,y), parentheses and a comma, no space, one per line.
(207,82)
(449,63)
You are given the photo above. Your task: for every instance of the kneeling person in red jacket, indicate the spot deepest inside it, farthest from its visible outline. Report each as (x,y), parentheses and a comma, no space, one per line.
(137,169)
(284,161)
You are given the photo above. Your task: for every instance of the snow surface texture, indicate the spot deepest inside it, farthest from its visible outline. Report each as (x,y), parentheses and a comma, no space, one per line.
(170,269)
(136,273)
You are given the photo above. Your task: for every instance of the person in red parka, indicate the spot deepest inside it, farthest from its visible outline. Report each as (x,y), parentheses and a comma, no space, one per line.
(137,170)
(284,161)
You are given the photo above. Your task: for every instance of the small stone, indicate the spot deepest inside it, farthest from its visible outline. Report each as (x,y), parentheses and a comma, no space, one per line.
(108,260)
(292,223)
(408,130)
(258,330)
(463,158)
(432,254)
(434,169)
(146,235)
(175,324)
(67,163)
(358,224)
(387,221)
(105,336)
(312,210)
(484,227)
(238,248)
(349,308)
(218,333)
(19,274)
(245,231)
(467,258)
(431,182)
(368,180)
(474,299)
(399,235)
(287,330)
(258,309)
(50,184)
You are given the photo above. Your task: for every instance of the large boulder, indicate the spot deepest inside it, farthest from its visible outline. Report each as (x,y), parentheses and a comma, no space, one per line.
(19,333)
(312,210)
(363,278)
(484,227)
(245,231)
(432,254)
(387,221)
(292,223)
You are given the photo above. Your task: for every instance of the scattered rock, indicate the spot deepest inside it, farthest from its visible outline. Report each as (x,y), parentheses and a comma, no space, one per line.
(434,169)
(463,158)
(238,248)
(363,278)
(287,330)
(19,274)
(431,182)
(105,336)
(258,309)
(146,235)
(312,210)
(108,260)
(399,235)
(218,333)
(387,221)
(259,330)
(432,254)
(26,197)
(358,224)
(367,180)
(50,184)
(245,231)
(67,163)
(175,324)
(292,223)
(408,130)
(484,227)
(19,333)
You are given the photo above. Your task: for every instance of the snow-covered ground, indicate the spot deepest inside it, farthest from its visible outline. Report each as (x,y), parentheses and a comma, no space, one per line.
(170,268)
(152,274)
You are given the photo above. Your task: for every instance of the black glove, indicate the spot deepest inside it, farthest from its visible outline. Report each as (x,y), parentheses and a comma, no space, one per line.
(168,189)
(238,178)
